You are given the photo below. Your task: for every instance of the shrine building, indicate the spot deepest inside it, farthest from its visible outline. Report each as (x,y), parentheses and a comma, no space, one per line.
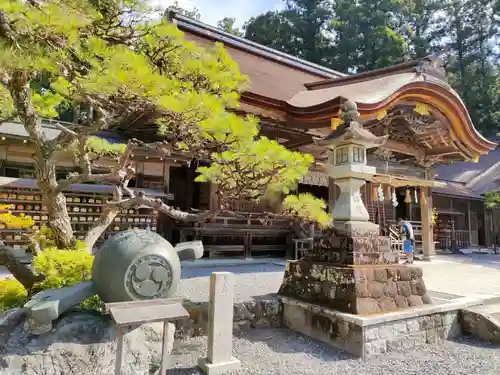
(425,121)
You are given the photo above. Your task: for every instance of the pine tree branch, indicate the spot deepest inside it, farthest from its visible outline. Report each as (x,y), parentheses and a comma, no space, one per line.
(89,126)
(158,205)
(120,174)
(20,271)
(65,138)
(84,157)
(19,87)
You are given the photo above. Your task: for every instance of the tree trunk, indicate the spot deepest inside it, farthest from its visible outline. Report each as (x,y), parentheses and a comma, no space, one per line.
(108,215)
(59,221)
(20,271)
(44,160)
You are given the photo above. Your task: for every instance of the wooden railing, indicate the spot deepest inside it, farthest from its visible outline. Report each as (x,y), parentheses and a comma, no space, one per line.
(241,234)
(395,237)
(448,239)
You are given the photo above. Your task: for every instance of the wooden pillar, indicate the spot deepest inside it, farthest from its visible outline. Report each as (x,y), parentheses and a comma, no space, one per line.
(214,198)
(189,188)
(139,174)
(164,223)
(427,225)
(468,223)
(166,176)
(119,350)
(332,197)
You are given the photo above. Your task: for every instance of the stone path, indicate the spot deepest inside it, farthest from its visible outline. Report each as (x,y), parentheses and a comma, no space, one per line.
(464,275)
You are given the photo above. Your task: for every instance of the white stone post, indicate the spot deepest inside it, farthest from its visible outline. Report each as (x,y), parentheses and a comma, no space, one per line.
(220,326)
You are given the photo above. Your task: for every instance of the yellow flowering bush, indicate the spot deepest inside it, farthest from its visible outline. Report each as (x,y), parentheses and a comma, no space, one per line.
(12,294)
(434,215)
(11,221)
(63,267)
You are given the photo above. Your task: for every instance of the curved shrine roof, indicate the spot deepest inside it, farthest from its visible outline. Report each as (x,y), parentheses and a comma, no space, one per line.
(301,95)
(421,82)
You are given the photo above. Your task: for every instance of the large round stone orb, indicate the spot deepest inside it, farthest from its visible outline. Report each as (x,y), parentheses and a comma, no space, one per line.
(136,265)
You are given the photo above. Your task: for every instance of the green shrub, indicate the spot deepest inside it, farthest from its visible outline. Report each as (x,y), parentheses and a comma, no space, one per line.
(93,303)
(12,294)
(66,268)
(63,267)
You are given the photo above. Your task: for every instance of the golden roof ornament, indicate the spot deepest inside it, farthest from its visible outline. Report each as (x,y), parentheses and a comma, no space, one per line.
(422,109)
(335,122)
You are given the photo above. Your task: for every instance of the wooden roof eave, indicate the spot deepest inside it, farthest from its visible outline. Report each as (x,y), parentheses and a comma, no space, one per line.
(429,65)
(436,96)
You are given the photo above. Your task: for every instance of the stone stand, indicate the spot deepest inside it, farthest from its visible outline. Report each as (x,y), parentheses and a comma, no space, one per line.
(355,289)
(220,329)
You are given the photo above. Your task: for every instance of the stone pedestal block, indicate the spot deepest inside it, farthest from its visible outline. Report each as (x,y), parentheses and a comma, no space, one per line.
(364,289)
(355,250)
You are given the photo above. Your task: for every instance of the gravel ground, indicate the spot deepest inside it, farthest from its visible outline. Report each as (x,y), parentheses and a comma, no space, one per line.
(280,351)
(250,281)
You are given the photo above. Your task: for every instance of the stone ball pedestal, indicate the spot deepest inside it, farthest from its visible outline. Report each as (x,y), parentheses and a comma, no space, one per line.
(136,265)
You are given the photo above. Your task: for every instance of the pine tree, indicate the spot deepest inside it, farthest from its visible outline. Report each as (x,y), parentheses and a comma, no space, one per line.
(301,29)
(227,24)
(110,58)
(368,34)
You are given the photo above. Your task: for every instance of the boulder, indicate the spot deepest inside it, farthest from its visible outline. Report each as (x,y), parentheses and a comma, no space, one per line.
(80,343)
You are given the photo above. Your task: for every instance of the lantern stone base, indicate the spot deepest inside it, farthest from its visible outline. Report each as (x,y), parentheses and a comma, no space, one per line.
(357,289)
(370,336)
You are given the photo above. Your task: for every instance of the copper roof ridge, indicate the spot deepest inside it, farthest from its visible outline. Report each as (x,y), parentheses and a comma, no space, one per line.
(404,67)
(250,46)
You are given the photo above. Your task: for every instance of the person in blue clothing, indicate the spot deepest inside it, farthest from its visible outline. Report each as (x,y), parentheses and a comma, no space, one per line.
(406,231)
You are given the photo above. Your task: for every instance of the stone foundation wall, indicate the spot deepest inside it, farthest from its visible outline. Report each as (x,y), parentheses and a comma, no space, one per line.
(480,324)
(410,333)
(254,314)
(361,338)
(323,326)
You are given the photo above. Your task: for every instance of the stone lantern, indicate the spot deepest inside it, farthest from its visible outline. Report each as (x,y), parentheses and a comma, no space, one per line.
(347,165)
(352,268)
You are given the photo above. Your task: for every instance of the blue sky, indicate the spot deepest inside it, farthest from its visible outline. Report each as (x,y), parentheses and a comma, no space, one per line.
(213,10)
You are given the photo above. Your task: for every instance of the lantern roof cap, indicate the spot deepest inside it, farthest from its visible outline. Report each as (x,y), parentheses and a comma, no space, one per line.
(351,131)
